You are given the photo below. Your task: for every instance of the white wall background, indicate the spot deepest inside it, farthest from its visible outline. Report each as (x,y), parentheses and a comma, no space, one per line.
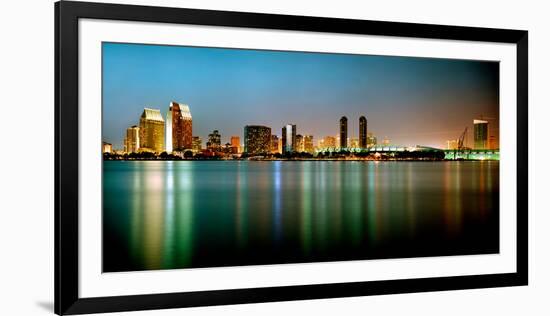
(26,169)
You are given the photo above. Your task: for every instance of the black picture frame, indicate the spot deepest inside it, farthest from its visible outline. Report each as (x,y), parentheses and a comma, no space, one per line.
(67,15)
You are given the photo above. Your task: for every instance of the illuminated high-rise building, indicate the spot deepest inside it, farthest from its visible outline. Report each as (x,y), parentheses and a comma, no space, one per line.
(321,143)
(299,143)
(362,132)
(257,139)
(289,138)
(343,132)
(131,140)
(371,140)
(274,144)
(329,142)
(308,143)
(107,148)
(214,141)
(235,144)
(197,144)
(151,131)
(179,127)
(481,134)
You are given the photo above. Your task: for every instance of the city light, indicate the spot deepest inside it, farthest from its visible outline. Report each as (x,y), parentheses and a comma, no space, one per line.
(157,138)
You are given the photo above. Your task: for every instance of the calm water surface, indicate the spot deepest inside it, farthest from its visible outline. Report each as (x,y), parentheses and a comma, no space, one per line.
(181,214)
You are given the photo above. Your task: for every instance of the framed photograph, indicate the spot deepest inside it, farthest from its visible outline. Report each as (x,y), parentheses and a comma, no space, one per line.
(208,157)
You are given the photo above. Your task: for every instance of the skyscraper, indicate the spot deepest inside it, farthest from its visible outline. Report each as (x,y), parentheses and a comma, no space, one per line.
(274,144)
(299,143)
(362,132)
(131,140)
(329,142)
(197,144)
(308,143)
(343,132)
(257,139)
(214,141)
(179,127)
(236,144)
(371,140)
(289,138)
(151,130)
(481,134)
(107,148)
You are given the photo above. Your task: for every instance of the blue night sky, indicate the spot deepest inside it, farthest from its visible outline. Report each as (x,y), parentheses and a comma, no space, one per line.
(408,100)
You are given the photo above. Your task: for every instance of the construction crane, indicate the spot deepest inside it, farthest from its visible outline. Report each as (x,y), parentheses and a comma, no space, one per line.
(461,139)
(460,143)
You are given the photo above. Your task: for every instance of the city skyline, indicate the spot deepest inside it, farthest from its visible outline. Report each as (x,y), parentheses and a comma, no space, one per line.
(316,116)
(259,139)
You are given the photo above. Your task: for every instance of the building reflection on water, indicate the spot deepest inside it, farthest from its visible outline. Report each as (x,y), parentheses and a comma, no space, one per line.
(181,214)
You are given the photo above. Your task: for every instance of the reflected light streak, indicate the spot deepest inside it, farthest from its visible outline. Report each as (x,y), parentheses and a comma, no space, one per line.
(306,207)
(242,206)
(355,220)
(184,220)
(153,217)
(169,222)
(136,214)
(410,203)
(322,218)
(277,210)
(373,204)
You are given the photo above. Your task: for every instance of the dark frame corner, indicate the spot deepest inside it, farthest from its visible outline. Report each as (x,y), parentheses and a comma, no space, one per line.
(67,14)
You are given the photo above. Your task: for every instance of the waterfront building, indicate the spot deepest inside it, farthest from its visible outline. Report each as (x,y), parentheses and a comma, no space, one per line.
(275,144)
(280,145)
(151,131)
(131,140)
(214,141)
(343,132)
(452,144)
(228,148)
(289,138)
(257,139)
(354,142)
(493,142)
(481,134)
(235,144)
(299,143)
(386,141)
(362,132)
(329,142)
(371,140)
(321,143)
(308,144)
(179,128)
(107,148)
(197,144)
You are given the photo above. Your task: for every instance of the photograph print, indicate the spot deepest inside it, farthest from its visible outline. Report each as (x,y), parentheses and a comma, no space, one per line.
(219,157)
